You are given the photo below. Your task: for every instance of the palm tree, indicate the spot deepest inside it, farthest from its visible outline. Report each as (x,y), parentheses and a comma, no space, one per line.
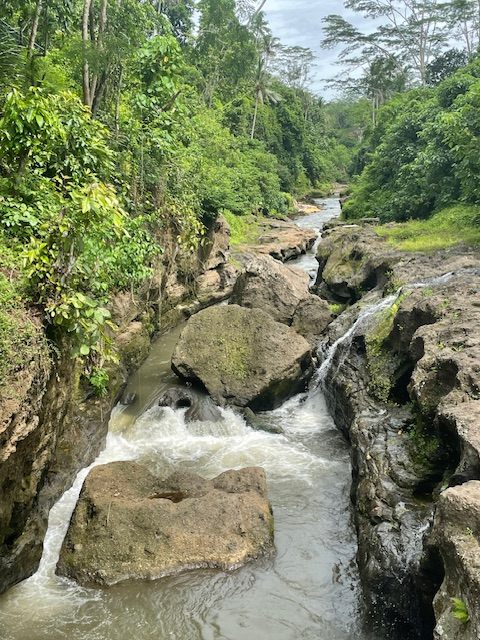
(263,92)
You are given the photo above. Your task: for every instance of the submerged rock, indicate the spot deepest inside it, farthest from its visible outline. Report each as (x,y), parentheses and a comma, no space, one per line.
(199,406)
(129,525)
(242,356)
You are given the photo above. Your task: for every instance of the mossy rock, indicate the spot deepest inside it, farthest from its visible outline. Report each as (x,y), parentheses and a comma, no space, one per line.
(242,356)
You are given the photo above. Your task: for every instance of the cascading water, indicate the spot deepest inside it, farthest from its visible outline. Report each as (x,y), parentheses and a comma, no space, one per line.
(307,590)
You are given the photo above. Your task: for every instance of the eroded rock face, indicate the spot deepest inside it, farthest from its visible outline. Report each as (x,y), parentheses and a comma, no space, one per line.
(353,260)
(129,525)
(242,356)
(422,353)
(284,240)
(456,533)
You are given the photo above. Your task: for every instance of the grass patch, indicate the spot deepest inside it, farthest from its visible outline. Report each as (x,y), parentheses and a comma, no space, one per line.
(452,226)
(243,229)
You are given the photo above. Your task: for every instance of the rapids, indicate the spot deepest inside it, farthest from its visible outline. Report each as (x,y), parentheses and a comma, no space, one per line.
(308,590)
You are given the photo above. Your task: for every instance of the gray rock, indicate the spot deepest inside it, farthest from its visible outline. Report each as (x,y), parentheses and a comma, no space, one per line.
(456,533)
(274,287)
(199,406)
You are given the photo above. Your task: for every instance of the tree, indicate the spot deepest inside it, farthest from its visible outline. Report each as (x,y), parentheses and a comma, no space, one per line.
(263,92)
(410,31)
(384,79)
(225,51)
(445,65)
(464,20)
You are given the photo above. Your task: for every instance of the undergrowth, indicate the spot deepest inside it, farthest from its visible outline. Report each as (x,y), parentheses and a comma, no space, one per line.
(243,229)
(22,339)
(452,226)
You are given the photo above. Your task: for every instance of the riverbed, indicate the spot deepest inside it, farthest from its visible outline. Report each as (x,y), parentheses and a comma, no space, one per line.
(307,590)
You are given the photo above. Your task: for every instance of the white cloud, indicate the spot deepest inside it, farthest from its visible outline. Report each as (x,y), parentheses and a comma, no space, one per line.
(299,22)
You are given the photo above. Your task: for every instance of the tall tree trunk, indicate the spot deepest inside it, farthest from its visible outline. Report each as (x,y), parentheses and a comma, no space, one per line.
(117,102)
(98,84)
(34,30)
(254,123)
(85,37)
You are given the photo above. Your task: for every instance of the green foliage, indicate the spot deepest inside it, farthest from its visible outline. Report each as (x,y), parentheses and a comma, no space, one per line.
(70,223)
(21,334)
(447,228)
(163,145)
(460,610)
(243,229)
(99,380)
(423,154)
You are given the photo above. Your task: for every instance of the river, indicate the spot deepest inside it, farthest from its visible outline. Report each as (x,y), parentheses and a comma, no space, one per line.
(307,590)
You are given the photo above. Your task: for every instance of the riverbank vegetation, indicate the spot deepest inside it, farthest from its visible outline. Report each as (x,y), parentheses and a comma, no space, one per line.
(119,119)
(419,157)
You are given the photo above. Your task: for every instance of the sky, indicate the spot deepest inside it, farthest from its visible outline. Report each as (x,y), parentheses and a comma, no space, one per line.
(299,22)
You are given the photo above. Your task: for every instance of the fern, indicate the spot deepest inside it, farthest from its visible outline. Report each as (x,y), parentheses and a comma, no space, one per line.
(459,610)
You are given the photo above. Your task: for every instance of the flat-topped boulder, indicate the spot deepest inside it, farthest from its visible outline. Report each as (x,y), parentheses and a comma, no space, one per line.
(242,356)
(283,239)
(130,525)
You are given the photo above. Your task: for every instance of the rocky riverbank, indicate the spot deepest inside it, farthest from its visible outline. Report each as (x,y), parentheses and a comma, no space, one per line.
(405,389)
(52,421)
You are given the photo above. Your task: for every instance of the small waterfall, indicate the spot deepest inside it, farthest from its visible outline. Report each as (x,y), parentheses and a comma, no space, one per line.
(367,314)
(346,339)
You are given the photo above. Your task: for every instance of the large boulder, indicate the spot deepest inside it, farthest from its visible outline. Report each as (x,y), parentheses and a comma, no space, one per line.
(242,356)
(272,286)
(283,292)
(312,316)
(128,524)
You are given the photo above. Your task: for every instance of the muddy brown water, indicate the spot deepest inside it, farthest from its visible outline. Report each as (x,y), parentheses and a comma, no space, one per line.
(308,590)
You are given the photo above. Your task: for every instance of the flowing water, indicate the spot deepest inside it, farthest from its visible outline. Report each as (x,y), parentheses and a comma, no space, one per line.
(307,590)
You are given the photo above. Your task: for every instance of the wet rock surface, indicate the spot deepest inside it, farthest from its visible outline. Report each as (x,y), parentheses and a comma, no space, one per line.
(198,407)
(405,391)
(129,525)
(243,357)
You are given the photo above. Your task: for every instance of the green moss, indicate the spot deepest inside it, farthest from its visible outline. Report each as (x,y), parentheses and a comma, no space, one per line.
(337,309)
(236,357)
(380,362)
(447,228)
(425,445)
